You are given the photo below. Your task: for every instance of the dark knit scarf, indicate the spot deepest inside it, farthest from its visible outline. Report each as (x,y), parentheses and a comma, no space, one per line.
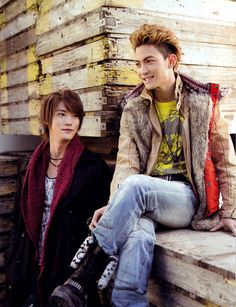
(33,190)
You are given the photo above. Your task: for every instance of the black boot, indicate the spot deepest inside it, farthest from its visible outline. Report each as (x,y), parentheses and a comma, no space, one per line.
(83,282)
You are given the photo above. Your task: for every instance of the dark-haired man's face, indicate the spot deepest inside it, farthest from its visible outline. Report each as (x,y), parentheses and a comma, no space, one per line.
(153,69)
(65,124)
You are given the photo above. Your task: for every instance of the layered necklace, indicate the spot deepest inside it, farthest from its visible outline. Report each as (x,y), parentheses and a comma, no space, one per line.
(56,163)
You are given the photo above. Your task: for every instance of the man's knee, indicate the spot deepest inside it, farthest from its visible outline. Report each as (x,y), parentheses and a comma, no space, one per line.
(135,182)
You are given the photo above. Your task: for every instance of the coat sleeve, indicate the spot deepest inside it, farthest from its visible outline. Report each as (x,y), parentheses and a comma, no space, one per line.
(127,162)
(224,158)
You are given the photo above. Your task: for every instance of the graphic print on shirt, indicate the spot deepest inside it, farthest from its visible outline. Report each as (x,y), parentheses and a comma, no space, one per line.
(171,158)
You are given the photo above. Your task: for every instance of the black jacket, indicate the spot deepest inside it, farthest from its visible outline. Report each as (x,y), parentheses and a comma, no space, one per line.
(89,190)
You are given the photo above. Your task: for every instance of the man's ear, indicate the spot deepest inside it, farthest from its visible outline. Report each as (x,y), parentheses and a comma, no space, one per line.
(172,60)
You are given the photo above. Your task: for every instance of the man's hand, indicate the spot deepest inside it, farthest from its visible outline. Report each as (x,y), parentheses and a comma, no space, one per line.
(96,217)
(227,223)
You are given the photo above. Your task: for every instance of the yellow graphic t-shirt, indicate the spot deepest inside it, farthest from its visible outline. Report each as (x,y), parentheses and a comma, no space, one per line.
(171,158)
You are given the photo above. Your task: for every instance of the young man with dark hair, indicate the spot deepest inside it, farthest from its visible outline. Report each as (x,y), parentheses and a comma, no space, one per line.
(53,203)
(171,134)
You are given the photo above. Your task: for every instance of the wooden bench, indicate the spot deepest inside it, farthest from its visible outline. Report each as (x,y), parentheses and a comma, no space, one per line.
(193,269)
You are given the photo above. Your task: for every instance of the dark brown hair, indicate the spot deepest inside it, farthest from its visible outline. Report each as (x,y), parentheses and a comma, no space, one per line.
(161,37)
(50,102)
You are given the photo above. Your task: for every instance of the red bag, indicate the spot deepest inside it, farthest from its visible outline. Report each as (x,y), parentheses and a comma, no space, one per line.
(211,181)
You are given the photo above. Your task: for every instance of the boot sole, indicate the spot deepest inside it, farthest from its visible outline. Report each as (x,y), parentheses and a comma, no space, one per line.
(64,296)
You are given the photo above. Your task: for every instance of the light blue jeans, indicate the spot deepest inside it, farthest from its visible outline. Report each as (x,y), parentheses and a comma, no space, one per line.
(128,226)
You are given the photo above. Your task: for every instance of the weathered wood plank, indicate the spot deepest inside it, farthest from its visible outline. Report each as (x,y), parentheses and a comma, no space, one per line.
(119,48)
(100,125)
(125,21)
(46,5)
(18,42)
(90,5)
(208,54)
(22,75)
(197,280)
(219,11)
(24,126)
(185,28)
(61,12)
(5,225)
(17,7)
(4,2)
(67,35)
(86,54)
(66,12)
(106,98)
(193,269)
(21,110)
(114,73)
(18,25)
(7,186)
(167,296)
(18,60)
(21,93)
(6,206)
(199,249)
(102,98)
(8,166)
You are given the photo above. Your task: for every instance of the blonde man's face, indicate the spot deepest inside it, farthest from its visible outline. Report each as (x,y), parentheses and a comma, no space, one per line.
(153,69)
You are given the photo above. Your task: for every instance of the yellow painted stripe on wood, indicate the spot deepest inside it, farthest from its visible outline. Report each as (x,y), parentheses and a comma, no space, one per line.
(45,6)
(5,129)
(126,75)
(3,65)
(3,96)
(31,54)
(3,80)
(43,19)
(34,107)
(125,3)
(97,74)
(45,85)
(93,39)
(4,112)
(31,4)
(2,19)
(33,71)
(47,65)
(34,126)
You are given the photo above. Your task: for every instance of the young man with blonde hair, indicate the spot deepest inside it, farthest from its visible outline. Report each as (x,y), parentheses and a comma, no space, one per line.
(171,135)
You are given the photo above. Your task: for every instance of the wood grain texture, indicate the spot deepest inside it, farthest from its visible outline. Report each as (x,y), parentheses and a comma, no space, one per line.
(18,42)
(7,186)
(8,166)
(21,93)
(18,25)
(4,2)
(17,60)
(18,7)
(6,207)
(200,263)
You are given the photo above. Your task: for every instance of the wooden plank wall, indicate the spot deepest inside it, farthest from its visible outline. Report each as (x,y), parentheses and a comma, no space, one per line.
(49,44)
(8,173)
